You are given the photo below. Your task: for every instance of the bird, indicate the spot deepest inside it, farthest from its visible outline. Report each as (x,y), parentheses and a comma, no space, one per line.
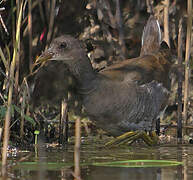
(126,98)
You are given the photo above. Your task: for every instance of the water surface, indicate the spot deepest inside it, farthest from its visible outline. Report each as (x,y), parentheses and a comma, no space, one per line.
(57,163)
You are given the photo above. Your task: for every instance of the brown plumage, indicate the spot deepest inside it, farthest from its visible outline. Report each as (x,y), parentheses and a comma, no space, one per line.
(124,97)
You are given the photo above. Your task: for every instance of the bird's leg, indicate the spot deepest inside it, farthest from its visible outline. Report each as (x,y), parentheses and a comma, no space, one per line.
(132,136)
(150,139)
(147,139)
(154,136)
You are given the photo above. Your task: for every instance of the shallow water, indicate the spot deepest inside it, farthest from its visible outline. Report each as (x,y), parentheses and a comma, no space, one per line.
(56,163)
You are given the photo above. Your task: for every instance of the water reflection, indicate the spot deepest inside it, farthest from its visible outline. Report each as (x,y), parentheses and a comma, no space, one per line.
(105,173)
(91,154)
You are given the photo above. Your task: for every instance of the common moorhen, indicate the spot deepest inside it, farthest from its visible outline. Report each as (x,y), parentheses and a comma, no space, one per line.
(125,98)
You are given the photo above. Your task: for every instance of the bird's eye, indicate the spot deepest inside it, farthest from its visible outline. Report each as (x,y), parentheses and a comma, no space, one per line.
(62,45)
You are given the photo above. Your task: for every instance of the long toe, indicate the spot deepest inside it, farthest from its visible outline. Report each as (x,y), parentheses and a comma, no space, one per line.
(125,138)
(154,137)
(150,140)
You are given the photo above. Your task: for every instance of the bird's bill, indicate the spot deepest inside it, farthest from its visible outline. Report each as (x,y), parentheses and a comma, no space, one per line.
(46,56)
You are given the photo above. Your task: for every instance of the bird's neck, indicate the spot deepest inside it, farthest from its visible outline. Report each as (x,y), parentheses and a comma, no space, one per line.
(83,72)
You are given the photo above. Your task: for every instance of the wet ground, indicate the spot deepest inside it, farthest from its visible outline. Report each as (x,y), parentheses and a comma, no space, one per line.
(55,163)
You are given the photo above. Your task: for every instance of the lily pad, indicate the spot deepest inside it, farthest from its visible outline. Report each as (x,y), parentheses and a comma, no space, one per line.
(139,163)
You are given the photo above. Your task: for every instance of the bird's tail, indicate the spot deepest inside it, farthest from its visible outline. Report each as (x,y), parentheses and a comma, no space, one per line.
(151,38)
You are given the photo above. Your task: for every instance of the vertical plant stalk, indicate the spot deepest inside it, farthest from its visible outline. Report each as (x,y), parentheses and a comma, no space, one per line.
(41,12)
(149,4)
(47,10)
(179,124)
(77,149)
(17,62)
(3,59)
(2,22)
(1,130)
(30,34)
(187,57)
(166,22)
(63,129)
(120,29)
(23,107)
(8,112)
(13,20)
(51,23)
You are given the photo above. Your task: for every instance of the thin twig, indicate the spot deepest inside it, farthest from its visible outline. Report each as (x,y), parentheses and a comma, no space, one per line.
(179,124)
(30,34)
(110,14)
(149,4)
(17,62)
(23,107)
(41,12)
(120,29)
(13,20)
(63,129)
(3,59)
(77,148)
(166,22)
(187,57)
(1,130)
(51,23)
(2,22)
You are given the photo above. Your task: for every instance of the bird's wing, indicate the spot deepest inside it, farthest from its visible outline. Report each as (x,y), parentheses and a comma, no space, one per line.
(138,70)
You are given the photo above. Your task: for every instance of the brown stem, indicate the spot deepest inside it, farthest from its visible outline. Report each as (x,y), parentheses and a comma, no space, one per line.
(187,57)
(41,11)
(51,23)
(63,129)
(77,148)
(120,29)
(30,34)
(149,4)
(166,22)
(179,124)
(23,107)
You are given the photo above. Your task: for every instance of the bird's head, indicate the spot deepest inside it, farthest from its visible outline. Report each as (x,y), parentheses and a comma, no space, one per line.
(64,48)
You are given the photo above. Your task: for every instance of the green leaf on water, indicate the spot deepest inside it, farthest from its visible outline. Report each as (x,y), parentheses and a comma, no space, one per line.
(139,163)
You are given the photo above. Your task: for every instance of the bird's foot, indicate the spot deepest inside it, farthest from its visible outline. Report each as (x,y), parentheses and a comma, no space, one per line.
(150,139)
(129,137)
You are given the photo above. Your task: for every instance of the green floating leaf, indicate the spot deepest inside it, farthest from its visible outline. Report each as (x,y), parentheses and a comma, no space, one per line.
(139,163)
